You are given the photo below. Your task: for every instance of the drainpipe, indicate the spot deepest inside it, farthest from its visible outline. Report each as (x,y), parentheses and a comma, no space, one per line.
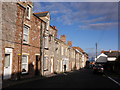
(20,59)
(42,49)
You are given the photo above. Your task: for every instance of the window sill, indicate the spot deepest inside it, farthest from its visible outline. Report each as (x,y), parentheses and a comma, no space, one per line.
(46,48)
(24,73)
(28,18)
(26,44)
(45,69)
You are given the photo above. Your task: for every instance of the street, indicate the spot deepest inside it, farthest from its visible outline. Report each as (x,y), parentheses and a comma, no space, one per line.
(83,78)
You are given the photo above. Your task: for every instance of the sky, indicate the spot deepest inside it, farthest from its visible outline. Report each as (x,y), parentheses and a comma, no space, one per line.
(84,23)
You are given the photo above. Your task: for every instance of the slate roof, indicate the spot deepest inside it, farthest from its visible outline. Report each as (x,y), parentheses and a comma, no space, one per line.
(111,53)
(42,14)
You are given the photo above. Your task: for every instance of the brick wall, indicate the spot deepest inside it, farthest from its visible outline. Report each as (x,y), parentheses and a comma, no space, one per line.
(32,48)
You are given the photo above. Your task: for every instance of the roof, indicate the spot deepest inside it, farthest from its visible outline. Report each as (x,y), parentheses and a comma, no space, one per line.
(101,59)
(111,53)
(42,14)
(80,49)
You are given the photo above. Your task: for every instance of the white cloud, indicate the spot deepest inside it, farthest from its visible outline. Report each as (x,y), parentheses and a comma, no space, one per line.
(75,0)
(99,26)
(86,13)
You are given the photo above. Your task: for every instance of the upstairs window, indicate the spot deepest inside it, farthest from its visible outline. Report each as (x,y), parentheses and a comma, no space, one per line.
(25,34)
(28,11)
(46,42)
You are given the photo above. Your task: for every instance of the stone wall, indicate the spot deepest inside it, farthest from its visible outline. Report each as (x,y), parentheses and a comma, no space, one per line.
(9,14)
(0,45)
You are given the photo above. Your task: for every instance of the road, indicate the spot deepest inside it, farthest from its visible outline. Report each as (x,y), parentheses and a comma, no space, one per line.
(78,79)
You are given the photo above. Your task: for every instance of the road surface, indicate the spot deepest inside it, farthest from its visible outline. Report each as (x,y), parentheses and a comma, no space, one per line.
(83,78)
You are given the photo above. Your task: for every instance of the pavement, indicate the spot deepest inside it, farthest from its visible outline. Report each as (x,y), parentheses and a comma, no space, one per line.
(0,82)
(7,83)
(113,76)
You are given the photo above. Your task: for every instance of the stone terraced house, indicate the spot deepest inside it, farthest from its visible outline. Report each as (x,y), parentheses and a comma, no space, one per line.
(30,45)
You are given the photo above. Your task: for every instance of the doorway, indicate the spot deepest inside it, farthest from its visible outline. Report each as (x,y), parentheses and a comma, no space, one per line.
(8,63)
(37,65)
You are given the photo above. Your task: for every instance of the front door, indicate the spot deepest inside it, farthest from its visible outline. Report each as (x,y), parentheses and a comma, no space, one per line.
(8,63)
(37,60)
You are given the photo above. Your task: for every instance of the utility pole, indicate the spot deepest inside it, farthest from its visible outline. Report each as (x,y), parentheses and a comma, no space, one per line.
(96,50)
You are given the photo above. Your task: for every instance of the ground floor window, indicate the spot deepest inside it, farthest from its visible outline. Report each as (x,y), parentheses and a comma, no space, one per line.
(24,65)
(45,63)
(7,60)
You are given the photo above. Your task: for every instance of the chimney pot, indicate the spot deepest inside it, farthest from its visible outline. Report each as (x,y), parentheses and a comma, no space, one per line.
(70,43)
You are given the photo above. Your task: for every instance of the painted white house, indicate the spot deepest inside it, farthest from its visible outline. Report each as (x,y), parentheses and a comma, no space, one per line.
(102,58)
(107,56)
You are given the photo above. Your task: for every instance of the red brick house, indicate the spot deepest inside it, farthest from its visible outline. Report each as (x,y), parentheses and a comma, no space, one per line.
(21,48)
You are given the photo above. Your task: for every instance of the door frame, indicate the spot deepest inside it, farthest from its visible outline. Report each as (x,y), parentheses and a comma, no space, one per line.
(8,51)
(37,72)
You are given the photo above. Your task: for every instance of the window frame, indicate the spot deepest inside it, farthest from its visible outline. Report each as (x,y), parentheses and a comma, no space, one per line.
(28,12)
(24,64)
(24,34)
(45,67)
(46,42)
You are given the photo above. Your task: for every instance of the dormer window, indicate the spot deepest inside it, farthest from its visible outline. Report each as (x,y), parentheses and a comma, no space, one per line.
(28,11)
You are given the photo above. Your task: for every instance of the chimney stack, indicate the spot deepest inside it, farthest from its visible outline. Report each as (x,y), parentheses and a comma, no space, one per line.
(63,38)
(54,27)
(70,43)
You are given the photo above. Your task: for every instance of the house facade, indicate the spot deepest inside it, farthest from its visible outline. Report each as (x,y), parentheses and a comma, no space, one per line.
(112,60)
(30,45)
(21,48)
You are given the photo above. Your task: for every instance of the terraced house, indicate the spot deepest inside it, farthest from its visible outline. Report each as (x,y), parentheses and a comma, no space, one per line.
(30,45)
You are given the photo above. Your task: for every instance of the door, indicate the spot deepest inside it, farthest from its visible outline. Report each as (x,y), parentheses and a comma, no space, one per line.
(8,63)
(37,60)
(52,65)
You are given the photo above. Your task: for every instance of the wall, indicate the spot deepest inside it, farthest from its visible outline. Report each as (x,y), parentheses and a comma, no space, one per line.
(0,45)
(9,15)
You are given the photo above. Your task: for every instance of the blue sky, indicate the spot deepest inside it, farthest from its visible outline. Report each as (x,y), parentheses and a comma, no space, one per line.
(85,23)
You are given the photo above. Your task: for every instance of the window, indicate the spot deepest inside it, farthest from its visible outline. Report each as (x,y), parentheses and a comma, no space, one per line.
(7,60)
(45,63)
(28,12)
(25,34)
(46,42)
(24,65)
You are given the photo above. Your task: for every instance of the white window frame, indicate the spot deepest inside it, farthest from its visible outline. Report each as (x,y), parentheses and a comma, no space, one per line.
(28,12)
(46,42)
(26,34)
(24,63)
(45,63)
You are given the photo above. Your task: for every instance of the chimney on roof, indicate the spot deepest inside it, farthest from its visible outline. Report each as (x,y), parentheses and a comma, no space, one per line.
(63,38)
(56,31)
(70,43)
(54,27)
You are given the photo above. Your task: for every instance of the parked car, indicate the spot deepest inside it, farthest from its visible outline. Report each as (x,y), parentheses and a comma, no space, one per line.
(98,69)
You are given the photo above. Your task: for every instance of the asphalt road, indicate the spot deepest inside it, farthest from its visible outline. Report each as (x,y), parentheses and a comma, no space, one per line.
(77,79)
